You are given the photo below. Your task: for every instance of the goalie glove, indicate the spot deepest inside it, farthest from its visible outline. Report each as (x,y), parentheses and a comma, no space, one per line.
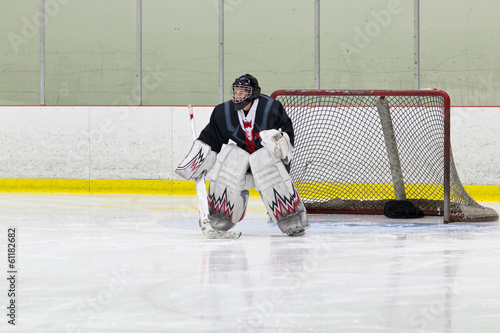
(198,161)
(277,142)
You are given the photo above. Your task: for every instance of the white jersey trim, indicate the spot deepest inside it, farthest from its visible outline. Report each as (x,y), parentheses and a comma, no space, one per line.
(249,117)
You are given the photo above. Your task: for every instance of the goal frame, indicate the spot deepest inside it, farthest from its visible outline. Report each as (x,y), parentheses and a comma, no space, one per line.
(383,93)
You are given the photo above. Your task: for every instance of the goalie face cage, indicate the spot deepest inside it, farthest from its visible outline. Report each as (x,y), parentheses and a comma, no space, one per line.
(351,156)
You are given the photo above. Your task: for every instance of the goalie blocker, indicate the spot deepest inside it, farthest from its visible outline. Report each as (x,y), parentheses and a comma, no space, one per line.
(198,161)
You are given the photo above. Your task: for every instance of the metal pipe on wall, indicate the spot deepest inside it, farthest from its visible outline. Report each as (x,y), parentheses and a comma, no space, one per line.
(41,17)
(221,51)
(316,45)
(139,52)
(416,44)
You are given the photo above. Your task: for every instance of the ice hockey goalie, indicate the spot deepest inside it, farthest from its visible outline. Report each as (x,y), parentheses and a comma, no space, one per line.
(252,136)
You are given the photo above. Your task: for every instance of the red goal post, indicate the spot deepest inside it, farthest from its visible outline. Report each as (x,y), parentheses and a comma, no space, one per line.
(357,149)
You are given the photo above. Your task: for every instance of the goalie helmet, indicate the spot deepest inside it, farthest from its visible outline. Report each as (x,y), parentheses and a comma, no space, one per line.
(244,90)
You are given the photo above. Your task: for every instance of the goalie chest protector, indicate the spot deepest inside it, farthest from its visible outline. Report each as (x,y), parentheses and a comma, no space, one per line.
(224,124)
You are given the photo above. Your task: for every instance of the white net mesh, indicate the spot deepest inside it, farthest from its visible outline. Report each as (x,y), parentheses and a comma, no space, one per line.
(341,164)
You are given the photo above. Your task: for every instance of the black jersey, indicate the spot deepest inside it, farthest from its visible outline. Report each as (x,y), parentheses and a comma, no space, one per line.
(224,124)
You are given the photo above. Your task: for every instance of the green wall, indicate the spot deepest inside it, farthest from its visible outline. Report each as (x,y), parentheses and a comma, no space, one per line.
(90,53)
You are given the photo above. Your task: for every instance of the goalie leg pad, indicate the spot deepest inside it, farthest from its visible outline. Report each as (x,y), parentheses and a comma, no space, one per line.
(227,197)
(278,192)
(198,161)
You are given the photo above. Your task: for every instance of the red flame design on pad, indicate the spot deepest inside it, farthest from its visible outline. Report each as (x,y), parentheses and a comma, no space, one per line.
(221,205)
(194,163)
(282,205)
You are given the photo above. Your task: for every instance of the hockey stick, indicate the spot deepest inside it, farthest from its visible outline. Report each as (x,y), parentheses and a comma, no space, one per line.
(201,192)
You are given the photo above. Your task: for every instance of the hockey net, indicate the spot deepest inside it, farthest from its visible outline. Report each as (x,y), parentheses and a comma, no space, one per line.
(345,162)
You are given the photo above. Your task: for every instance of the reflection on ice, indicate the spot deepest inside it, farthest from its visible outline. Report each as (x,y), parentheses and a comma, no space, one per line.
(95,263)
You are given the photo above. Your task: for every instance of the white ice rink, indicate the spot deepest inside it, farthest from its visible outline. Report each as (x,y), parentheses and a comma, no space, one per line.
(137,263)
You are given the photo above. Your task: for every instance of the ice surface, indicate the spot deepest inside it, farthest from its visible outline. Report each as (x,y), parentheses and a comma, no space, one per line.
(137,263)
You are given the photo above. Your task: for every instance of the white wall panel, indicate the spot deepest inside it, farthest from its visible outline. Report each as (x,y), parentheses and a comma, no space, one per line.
(44,142)
(475,142)
(130,143)
(133,142)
